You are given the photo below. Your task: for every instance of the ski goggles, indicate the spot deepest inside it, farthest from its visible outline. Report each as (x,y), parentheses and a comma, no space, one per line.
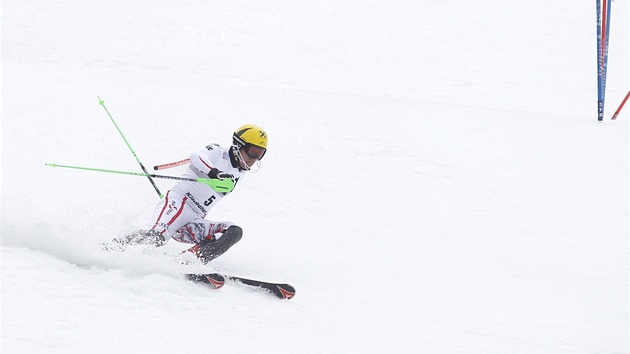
(254,152)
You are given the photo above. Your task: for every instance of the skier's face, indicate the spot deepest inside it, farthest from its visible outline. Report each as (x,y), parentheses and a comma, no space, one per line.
(251,154)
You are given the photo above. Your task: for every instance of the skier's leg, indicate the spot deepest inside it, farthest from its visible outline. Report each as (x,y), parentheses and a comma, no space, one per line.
(199,229)
(213,248)
(211,239)
(170,214)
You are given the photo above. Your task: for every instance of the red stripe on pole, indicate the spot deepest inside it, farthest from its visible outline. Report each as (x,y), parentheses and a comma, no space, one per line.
(604,20)
(171,165)
(621,106)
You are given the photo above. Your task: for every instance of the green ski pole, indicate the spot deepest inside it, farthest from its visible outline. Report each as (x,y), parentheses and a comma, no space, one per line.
(220,185)
(102,103)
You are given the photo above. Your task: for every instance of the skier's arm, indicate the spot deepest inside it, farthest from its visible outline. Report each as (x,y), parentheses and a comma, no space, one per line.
(203,160)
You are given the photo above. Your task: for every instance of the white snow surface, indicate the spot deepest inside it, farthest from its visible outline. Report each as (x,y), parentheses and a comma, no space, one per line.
(436,181)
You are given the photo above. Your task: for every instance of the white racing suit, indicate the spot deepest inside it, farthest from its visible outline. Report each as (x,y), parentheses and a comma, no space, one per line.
(181,213)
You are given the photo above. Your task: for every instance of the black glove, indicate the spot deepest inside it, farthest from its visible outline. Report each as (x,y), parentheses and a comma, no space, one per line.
(215,173)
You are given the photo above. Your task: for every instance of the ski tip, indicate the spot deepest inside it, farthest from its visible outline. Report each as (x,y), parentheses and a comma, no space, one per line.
(286,291)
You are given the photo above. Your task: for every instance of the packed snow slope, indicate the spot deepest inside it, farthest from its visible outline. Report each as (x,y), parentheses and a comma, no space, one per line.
(436,180)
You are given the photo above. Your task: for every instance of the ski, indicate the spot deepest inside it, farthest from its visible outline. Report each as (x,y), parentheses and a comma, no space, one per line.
(214,279)
(279,290)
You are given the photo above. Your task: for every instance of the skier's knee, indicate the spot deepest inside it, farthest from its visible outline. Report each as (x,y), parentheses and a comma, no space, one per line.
(211,249)
(232,234)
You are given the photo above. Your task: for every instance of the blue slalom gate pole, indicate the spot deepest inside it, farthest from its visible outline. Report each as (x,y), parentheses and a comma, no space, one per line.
(600,107)
(603,30)
(605,46)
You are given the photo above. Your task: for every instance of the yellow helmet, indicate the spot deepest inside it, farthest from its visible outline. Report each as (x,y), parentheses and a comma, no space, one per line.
(250,134)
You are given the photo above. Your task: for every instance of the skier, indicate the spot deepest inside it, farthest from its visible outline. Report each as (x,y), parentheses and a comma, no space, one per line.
(180,215)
